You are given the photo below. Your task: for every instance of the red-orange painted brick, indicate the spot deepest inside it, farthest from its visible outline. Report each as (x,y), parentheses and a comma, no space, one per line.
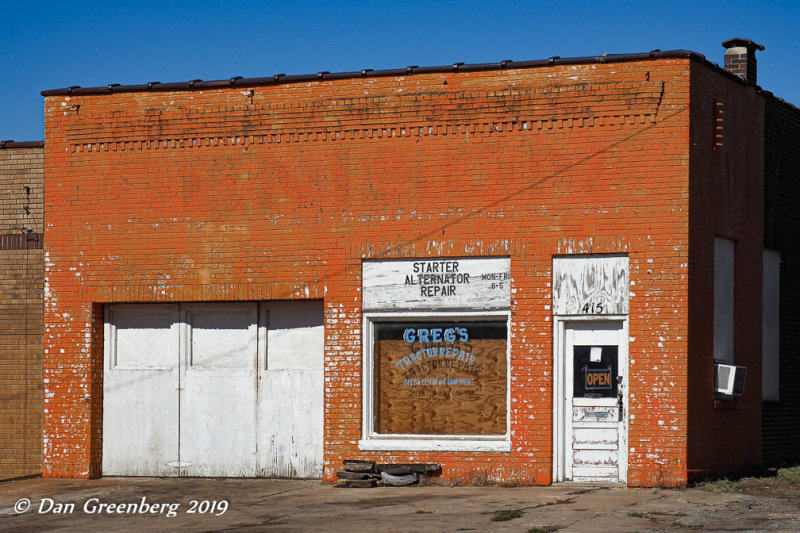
(279,192)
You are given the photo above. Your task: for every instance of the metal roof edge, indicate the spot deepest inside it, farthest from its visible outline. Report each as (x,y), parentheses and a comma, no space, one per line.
(279,79)
(780,100)
(20,144)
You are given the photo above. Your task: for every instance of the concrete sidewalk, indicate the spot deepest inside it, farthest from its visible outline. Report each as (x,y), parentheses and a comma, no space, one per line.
(153,504)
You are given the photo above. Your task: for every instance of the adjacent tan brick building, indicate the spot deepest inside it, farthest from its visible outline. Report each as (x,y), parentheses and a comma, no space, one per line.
(21,297)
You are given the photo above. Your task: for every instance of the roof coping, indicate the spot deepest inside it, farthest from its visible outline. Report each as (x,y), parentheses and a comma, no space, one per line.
(21,144)
(279,79)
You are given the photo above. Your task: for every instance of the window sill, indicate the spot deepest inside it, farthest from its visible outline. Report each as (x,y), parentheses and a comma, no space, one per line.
(416,444)
(722,403)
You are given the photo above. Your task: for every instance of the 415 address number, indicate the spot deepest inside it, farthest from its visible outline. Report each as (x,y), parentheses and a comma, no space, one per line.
(592,308)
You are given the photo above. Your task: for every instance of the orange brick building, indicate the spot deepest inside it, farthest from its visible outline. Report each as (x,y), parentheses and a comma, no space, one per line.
(522,271)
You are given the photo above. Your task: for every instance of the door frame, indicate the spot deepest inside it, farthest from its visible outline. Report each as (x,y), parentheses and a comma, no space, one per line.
(560,326)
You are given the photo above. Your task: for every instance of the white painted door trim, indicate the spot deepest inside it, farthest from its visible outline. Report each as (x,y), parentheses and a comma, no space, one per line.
(561,416)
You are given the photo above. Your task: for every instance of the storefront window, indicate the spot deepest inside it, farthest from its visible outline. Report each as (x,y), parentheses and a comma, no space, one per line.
(440,378)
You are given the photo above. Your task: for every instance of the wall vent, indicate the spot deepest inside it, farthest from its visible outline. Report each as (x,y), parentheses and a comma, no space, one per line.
(719,125)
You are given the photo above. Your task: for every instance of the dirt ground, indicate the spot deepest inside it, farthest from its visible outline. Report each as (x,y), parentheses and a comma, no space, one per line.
(785,484)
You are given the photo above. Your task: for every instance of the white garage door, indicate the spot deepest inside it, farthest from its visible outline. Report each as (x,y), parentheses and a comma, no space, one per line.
(218,389)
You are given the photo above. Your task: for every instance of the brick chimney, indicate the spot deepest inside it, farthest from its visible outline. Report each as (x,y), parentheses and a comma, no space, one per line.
(740,58)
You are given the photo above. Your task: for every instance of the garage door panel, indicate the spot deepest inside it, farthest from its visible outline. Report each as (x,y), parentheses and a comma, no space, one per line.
(295,336)
(183,385)
(222,336)
(218,425)
(145,336)
(291,424)
(291,390)
(218,400)
(140,424)
(140,393)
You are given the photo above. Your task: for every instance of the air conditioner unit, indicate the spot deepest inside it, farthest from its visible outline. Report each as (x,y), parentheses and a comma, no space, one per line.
(729,379)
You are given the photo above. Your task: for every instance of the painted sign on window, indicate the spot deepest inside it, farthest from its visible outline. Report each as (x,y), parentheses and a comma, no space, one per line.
(440,378)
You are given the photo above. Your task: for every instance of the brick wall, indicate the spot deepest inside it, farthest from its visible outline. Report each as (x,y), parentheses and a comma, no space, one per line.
(280,192)
(726,201)
(781,423)
(21,166)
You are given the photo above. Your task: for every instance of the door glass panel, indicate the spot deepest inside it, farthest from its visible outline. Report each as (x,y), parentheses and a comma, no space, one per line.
(595,371)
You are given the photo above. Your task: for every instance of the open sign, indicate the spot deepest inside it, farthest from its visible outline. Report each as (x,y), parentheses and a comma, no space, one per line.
(597,378)
(595,371)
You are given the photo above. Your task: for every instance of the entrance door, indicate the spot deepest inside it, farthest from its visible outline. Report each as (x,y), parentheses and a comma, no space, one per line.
(595,401)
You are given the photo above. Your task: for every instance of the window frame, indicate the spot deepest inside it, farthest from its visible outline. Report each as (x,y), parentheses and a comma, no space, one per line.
(373,441)
(771,326)
(724,301)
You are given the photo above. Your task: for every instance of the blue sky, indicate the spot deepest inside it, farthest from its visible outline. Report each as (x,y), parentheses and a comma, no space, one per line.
(48,45)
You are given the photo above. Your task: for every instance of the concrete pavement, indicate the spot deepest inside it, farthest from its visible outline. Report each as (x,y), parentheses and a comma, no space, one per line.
(190,504)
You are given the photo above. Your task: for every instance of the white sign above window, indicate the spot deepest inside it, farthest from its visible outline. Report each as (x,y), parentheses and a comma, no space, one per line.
(437,284)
